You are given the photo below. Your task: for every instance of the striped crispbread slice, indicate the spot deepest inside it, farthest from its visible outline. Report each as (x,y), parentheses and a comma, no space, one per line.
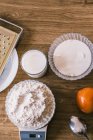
(7,41)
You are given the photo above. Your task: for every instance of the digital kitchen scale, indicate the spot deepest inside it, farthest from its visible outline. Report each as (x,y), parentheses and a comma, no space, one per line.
(23,104)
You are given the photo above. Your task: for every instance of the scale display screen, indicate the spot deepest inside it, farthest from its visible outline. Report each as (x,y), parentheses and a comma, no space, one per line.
(33,135)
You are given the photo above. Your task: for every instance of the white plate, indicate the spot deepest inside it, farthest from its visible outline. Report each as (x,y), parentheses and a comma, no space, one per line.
(10,71)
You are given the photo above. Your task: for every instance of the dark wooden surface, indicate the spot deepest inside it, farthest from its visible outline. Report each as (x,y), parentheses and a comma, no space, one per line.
(43,21)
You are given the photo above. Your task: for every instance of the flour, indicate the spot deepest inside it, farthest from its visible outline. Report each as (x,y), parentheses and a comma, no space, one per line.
(30,104)
(72,57)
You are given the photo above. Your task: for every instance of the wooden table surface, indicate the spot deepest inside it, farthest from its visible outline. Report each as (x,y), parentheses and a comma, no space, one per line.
(43,21)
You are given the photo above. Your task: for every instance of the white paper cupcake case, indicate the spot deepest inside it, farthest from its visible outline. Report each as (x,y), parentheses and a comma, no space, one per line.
(75,36)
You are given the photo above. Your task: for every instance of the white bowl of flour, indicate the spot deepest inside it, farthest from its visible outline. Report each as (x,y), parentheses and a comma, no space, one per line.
(30,105)
(70,56)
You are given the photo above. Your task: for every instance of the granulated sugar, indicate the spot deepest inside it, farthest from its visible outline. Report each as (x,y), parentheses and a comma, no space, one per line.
(30,104)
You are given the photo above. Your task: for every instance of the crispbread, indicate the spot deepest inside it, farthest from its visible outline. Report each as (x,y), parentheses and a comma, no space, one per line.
(7,41)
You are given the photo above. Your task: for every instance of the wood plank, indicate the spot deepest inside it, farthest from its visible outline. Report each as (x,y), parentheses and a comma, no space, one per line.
(57,22)
(89,1)
(40,3)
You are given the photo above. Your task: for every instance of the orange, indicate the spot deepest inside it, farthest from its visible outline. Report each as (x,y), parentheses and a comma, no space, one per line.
(85,99)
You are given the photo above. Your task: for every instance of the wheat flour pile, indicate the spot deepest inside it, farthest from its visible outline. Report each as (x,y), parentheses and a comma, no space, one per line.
(30,104)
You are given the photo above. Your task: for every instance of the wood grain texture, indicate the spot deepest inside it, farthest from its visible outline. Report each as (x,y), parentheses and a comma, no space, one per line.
(89,1)
(43,21)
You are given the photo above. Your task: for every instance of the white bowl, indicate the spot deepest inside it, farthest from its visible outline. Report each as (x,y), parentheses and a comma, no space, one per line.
(13,119)
(64,37)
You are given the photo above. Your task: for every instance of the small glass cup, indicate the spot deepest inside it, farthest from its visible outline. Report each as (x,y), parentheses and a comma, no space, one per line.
(35,75)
